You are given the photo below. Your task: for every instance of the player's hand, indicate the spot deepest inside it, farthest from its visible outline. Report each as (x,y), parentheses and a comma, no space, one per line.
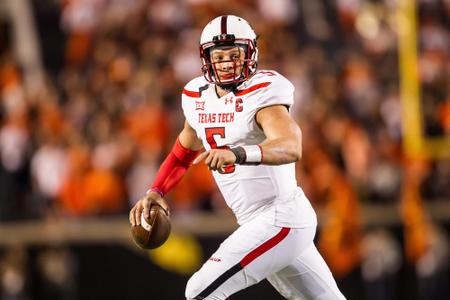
(143,206)
(216,159)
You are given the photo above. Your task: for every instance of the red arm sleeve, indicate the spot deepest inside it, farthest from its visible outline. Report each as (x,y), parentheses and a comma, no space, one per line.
(173,168)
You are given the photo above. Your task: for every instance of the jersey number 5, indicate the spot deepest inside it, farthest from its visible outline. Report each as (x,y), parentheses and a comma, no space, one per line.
(210,138)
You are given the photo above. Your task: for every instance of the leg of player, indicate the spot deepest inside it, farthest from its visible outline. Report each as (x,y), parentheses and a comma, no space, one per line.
(253,252)
(308,277)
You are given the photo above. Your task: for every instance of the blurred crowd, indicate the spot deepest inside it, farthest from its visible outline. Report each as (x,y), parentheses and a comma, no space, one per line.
(93,133)
(88,140)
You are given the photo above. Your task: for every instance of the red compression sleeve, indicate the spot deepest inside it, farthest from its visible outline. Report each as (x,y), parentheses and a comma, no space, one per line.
(173,168)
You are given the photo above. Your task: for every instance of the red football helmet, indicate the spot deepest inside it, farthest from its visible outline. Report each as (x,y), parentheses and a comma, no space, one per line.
(228,32)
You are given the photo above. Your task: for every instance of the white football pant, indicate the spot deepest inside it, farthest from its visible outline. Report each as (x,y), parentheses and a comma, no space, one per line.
(285,256)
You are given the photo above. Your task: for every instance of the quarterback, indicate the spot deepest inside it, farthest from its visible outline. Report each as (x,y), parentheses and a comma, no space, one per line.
(240,116)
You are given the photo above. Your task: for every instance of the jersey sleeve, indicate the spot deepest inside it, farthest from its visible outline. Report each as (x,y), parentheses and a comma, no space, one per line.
(189,96)
(280,91)
(184,105)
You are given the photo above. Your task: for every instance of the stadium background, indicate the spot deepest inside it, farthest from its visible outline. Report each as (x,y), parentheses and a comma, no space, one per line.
(90,94)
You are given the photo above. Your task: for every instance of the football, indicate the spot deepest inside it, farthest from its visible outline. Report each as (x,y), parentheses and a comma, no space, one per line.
(153,231)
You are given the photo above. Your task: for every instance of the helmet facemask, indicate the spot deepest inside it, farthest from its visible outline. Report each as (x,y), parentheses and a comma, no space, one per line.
(243,69)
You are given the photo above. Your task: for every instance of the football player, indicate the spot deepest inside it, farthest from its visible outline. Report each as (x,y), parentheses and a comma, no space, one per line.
(240,116)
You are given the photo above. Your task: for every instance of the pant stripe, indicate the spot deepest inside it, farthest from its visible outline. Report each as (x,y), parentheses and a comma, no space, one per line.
(258,251)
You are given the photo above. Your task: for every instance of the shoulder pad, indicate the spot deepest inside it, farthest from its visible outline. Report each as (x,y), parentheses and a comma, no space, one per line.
(195,87)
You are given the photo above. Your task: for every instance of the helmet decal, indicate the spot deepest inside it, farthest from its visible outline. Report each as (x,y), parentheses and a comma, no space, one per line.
(223,24)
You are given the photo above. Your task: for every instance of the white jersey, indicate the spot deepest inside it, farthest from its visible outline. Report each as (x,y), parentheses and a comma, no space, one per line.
(228,121)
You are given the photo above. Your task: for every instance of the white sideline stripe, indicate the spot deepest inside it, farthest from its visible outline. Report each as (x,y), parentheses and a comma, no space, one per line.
(118,229)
